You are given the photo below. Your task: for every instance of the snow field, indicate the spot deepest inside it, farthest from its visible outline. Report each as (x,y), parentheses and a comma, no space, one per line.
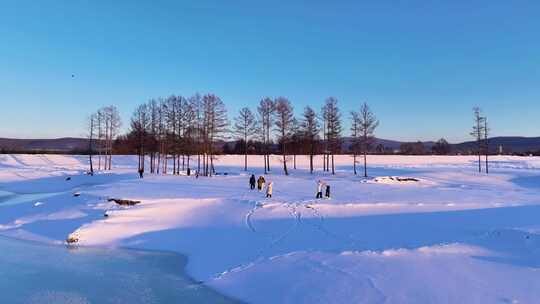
(452,236)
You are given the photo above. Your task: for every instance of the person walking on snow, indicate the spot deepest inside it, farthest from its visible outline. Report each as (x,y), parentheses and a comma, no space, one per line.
(327,194)
(319,189)
(252,182)
(260,183)
(269,189)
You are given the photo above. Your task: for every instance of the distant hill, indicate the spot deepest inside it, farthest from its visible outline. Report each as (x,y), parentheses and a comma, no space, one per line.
(509,144)
(387,143)
(66,144)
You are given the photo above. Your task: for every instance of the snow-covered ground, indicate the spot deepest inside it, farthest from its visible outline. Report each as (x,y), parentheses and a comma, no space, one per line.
(421,229)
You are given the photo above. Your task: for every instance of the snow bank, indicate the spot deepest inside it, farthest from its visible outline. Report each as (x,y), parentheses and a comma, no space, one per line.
(437,274)
(149,216)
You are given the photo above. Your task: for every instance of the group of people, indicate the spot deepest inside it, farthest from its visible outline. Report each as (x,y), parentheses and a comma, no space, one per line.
(260,182)
(260,185)
(320,186)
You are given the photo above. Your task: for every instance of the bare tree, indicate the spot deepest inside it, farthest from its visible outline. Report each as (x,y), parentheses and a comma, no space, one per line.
(478,133)
(310,129)
(162,136)
(266,109)
(116,123)
(153,109)
(486,143)
(355,137)
(100,135)
(325,153)
(366,124)
(215,127)
(245,127)
(332,117)
(140,122)
(196,106)
(190,133)
(295,140)
(106,124)
(284,124)
(91,134)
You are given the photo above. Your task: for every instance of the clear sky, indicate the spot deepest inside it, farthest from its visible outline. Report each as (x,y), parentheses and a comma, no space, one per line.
(421,65)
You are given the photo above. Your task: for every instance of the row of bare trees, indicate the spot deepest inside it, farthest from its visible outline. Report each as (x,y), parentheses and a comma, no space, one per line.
(177,130)
(103,128)
(182,129)
(276,116)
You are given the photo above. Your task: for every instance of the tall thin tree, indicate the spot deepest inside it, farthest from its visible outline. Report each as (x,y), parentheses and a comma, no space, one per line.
(139,129)
(310,129)
(367,125)
(245,127)
(215,125)
(91,131)
(478,134)
(284,124)
(265,110)
(355,137)
(486,143)
(332,117)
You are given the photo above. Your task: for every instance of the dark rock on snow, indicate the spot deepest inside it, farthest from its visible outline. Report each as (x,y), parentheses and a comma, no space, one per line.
(72,239)
(124,202)
(403,179)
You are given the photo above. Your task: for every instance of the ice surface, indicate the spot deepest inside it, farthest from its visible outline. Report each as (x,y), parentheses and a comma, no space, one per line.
(33,273)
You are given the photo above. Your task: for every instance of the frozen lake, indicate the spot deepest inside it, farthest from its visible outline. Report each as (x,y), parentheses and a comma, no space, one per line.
(36,273)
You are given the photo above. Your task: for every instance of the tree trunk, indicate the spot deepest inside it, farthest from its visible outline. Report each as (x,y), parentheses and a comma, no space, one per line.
(91,165)
(487,164)
(90,145)
(110,157)
(165,161)
(354,163)
(311,163)
(333,168)
(365,164)
(212,169)
(158,166)
(328,162)
(174,164)
(198,162)
(285,161)
(479,161)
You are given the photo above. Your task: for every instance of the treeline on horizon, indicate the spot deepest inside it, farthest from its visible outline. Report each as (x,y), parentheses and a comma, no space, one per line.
(236,148)
(192,131)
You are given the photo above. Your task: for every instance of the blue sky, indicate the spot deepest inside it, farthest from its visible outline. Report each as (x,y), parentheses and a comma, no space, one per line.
(421,65)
